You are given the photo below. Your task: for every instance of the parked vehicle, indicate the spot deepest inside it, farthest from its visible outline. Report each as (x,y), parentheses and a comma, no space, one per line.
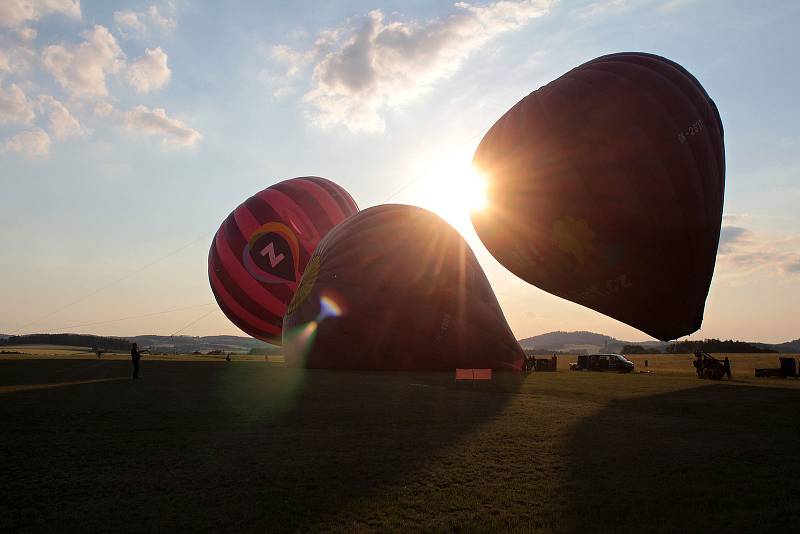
(787,369)
(603,362)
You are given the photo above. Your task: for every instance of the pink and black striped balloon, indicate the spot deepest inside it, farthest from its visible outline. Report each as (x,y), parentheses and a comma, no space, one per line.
(261,249)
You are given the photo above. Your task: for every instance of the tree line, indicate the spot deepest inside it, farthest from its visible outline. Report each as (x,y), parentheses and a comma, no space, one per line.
(707,345)
(70,340)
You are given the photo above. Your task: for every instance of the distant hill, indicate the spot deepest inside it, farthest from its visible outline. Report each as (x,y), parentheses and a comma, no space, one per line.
(179,344)
(186,344)
(569,342)
(582,341)
(69,340)
(594,342)
(787,347)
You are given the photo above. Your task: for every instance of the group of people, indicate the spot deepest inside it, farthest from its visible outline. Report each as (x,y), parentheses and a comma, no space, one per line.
(529,363)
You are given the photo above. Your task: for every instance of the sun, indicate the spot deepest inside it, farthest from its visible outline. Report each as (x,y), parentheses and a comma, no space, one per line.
(453,189)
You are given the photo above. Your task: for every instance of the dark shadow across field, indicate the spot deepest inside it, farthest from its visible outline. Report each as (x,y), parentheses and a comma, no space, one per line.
(211,447)
(715,458)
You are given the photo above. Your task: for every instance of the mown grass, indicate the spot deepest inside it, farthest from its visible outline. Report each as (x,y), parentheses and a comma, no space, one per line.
(245,446)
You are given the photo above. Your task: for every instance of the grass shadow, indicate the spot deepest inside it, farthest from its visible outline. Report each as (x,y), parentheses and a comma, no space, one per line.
(716,458)
(212,447)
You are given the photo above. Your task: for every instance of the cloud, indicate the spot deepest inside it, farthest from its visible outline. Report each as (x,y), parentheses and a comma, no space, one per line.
(371,64)
(172,132)
(744,251)
(15,106)
(137,24)
(4,64)
(130,22)
(33,143)
(27,34)
(15,13)
(730,236)
(150,71)
(81,70)
(61,122)
(602,6)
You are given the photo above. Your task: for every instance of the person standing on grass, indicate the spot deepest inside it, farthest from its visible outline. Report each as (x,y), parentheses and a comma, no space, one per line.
(726,364)
(135,357)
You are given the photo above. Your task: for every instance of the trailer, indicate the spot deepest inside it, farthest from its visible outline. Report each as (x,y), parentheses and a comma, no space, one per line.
(787,369)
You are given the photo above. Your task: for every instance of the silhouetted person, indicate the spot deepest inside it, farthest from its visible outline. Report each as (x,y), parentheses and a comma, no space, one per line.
(135,357)
(727,368)
(228,357)
(645,363)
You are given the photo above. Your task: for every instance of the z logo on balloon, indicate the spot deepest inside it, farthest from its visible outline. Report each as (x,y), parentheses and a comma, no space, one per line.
(272,254)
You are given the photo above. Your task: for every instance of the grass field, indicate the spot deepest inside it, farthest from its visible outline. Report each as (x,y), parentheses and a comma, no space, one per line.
(40,352)
(209,446)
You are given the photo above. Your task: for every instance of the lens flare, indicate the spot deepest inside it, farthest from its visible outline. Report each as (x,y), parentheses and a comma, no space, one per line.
(302,338)
(329,307)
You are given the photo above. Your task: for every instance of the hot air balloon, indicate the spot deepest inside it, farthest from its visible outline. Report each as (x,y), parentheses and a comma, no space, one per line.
(262,248)
(605,187)
(397,288)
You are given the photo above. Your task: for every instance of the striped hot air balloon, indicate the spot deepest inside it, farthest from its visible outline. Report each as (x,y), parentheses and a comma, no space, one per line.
(262,248)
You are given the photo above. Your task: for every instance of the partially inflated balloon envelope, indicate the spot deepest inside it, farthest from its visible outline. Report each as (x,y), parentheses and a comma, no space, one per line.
(263,247)
(397,288)
(605,187)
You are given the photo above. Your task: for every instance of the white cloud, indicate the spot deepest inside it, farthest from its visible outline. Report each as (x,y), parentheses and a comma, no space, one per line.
(744,251)
(173,132)
(164,21)
(138,23)
(130,22)
(150,71)
(81,70)
(62,123)
(27,34)
(600,7)
(4,65)
(33,143)
(364,67)
(15,106)
(14,13)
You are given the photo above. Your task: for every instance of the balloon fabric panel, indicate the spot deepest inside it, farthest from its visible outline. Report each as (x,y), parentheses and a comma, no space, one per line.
(397,288)
(606,188)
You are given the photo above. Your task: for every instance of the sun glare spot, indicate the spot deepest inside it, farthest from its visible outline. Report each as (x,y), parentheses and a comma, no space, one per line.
(453,189)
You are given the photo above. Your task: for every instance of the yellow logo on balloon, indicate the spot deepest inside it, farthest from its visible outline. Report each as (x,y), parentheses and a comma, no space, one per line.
(573,236)
(306,284)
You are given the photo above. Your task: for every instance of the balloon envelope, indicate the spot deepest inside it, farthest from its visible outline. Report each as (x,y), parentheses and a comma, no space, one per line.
(396,288)
(605,187)
(262,248)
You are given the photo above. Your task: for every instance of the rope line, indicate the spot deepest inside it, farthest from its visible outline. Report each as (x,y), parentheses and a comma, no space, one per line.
(110,284)
(136,316)
(175,333)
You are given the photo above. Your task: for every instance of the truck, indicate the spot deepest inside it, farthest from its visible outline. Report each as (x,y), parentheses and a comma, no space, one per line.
(602,362)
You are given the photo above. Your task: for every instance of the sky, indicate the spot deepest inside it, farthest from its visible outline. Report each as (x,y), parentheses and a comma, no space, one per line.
(129,130)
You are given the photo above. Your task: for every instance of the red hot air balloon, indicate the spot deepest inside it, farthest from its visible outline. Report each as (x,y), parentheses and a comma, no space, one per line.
(397,288)
(261,250)
(605,187)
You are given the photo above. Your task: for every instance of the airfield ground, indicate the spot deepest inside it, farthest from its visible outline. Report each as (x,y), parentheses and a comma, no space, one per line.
(210,446)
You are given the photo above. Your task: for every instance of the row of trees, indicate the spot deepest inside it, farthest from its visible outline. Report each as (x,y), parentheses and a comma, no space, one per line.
(715,345)
(708,345)
(69,340)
